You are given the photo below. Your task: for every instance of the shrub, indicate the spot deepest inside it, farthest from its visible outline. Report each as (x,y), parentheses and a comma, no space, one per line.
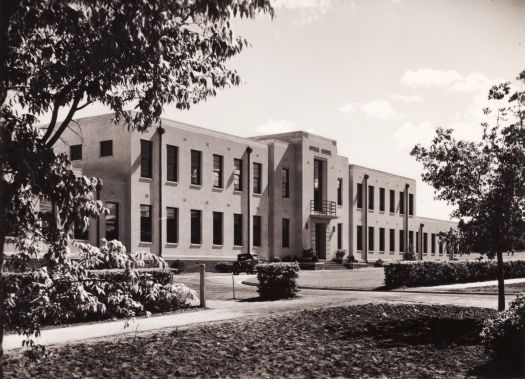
(289,258)
(339,254)
(224,267)
(351,259)
(275,259)
(178,265)
(504,334)
(277,280)
(417,274)
(379,263)
(309,256)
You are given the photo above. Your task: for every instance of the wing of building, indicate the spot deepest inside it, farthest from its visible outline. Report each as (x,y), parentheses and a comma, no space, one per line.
(190,193)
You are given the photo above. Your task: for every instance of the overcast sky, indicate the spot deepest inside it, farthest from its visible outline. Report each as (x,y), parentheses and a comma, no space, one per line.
(376,75)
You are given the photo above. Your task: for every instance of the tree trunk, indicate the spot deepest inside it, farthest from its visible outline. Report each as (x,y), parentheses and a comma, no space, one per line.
(3,230)
(501,282)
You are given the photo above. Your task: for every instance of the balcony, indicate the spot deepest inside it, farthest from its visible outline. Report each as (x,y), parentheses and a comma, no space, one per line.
(323,208)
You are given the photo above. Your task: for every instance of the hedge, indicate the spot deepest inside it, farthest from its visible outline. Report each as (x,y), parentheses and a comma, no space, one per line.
(277,280)
(107,294)
(224,267)
(418,274)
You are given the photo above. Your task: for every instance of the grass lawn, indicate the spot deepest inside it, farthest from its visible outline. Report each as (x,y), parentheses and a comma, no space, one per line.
(353,341)
(510,289)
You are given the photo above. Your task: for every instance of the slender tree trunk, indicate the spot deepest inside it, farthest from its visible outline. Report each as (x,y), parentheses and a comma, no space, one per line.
(501,282)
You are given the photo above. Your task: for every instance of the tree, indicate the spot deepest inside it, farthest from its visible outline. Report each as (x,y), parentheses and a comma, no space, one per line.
(68,54)
(485,181)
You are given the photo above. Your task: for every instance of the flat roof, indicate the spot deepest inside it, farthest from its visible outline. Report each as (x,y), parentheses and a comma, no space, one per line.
(381,171)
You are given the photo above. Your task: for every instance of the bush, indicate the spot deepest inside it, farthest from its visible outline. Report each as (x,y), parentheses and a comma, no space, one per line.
(309,256)
(178,265)
(275,260)
(224,267)
(277,280)
(437,273)
(289,258)
(504,334)
(351,259)
(379,263)
(339,254)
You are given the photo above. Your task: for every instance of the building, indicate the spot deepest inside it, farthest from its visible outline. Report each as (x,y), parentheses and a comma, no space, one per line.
(189,193)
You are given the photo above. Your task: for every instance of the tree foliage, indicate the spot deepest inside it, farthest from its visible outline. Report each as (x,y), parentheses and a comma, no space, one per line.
(485,180)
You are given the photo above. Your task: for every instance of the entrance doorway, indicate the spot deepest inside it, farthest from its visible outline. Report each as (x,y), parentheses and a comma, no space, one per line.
(320,240)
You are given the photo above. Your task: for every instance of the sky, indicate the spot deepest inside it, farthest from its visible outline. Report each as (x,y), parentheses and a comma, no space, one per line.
(378,76)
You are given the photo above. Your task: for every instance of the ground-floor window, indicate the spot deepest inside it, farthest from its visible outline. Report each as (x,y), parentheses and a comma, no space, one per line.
(433,244)
(392,240)
(285,232)
(257,231)
(382,240)
(172,225)
(339,236)
(371,246)
(217,228)
(411,241)
(440,247)
(145,223)
(112,227)
(81,234)
(401,241)
(196,220)
(359,237)
(237,229)
(425,243)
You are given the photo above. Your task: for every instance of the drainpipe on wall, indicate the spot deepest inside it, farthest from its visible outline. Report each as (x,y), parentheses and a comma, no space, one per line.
(421,226)
(98,219)
(365,227)
(249,151)
(161,131)
(407,241)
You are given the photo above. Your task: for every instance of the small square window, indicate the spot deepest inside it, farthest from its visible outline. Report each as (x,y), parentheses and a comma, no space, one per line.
(75,152)
(106,148)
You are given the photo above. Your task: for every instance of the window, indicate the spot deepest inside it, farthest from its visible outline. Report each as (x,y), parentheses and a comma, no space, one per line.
(145,223)
(401,202)
(172,156)
(425,243)
(359,195)
(257,231)
(237,174)
(75,152)
(392,240)
(106,148)
(286,232)
(411,204)
(410,240)
(217,228)
(112,226)
(196,167)
(371,238)
(371,197)
(172,225)
(237,229)
(381,199)
(257,177)
(217,170)
(359,237)
(440,247)
(286,182)
(196,220)
(433,244)
(417,242)
(382,240)
(339,191)
(339,236)
(401,241)
(81,234)
(145,158)
(392,201)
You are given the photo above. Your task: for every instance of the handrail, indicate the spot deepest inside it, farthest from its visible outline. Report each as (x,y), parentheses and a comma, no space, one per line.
(323,207)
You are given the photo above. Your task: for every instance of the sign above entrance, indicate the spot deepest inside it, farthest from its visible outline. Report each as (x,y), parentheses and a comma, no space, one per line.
(319,150)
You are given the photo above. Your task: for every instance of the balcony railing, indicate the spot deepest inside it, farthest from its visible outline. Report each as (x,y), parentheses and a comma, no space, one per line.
(323,207)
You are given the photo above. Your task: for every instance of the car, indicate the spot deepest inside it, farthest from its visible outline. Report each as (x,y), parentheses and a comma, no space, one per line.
(245,263)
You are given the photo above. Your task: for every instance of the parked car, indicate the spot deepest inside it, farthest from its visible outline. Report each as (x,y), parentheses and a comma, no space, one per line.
(245,263)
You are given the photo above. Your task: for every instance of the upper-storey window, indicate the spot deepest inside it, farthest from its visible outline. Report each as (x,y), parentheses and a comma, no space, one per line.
(411,204)
(392,201)
(217,170)
(196,167)
(359,195)
(257,177)
(145,158)
(381,199)
(75,152)
(339,191)
(106,148)
(237,174)
(371,197)
(402,202)
(286,182)
(172,156)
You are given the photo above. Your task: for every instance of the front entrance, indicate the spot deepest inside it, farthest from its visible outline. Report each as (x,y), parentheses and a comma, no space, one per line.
(320,240)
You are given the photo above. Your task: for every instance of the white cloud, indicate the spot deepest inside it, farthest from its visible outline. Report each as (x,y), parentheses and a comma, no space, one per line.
(378,109)
(276,126)
(408,99)
(408,135)
(308,10)
(428,77)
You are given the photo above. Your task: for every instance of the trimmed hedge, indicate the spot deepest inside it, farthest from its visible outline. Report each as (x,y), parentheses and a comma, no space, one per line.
(277,280)
(115,295)
(419,274)
(224,267)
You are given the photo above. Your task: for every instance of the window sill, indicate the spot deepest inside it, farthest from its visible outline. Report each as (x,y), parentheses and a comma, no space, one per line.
(172,244)
(145,243)
(237,192)
(195,245)
(106,156)
(196,186)
(257,194)
(145,180)
(217,189)
(217,246)
(237,247)
(171,183)
(382,212)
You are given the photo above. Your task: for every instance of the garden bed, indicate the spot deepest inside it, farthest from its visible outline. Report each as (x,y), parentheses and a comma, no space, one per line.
(352,341)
